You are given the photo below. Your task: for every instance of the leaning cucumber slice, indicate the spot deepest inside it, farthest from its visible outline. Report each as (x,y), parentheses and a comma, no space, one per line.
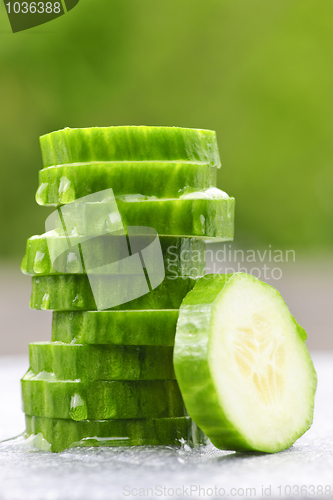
(147,327)
(102,362)
(129,143)
(182,256)
(72,292)
(66,183)
(208,214)
(44,396)
(51,434)
(242,365)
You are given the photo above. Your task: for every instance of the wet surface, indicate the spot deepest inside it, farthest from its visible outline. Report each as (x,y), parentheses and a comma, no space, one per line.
(164,472)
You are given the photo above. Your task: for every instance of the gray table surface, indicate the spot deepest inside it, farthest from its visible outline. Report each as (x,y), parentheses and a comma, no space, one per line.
(164,472)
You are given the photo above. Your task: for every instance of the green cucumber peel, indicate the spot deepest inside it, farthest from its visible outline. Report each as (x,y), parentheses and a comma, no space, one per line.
(63,184)
(197,215)
(45,396)
(102,362)
(129,143)
(182,256)
(56,435)
(242,365)
(72,292)
(146,327)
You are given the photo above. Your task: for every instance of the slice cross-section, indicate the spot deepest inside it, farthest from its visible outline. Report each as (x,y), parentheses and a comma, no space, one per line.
(72,292)
(66,183)
(208,214)
(52,434)
(102,362)
(145,327)
(182,256)
(129,143)
(242,365)
(45,396)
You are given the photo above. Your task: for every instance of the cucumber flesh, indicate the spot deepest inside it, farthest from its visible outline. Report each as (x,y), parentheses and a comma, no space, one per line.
(45,396)
(66,183)
(129,143)
(61,434)
(102,362)
(242,365)
(73,292)
(208,216)
(181,256)
(147,327)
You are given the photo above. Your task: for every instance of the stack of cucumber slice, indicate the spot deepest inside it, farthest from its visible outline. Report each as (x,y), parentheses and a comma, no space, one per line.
(107,377)
(110,375)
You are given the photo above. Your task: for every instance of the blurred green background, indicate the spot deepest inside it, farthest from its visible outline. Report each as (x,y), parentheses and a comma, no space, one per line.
(258,72)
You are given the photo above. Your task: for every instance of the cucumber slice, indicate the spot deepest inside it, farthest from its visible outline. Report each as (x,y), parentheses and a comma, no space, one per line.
(102,362)
(44,396)
(129,143)
(209,215)
(66,183)
(210,218)
(181,256)
(147,327)
(72,292)
(242,365)
(61,434)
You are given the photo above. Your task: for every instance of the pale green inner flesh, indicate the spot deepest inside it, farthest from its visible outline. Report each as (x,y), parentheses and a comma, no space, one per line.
(261,369)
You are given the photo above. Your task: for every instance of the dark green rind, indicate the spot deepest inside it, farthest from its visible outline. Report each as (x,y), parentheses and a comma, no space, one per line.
(208,218)
(101,400)
(191,363)
(72,292)
(66,183)
(102,362)
(129,143)
(147,327)
(182,256)
(192,366)
(63,434)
